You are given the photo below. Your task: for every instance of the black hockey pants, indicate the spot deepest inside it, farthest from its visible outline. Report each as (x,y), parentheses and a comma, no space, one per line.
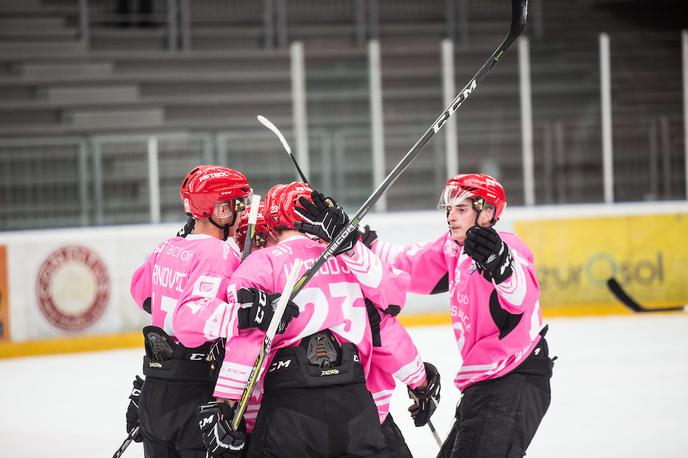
(168,417)
(336,421)
(396,444)
(178,381)
(498,418)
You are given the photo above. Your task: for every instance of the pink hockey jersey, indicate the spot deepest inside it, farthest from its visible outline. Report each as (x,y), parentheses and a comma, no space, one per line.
(495,326)
(197,266)
(333,299)
(397,358)
(203,312)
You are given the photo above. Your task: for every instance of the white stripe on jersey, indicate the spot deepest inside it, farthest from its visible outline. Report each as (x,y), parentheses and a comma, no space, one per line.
(382,393)
(411,373)
(365,265)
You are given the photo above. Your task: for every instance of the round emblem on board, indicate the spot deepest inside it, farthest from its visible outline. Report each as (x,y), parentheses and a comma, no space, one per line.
(73,288)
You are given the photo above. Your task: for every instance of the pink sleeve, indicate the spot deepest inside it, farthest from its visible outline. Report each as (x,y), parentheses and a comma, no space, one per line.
(379,281)
(381,386)
(398,354)
(206,309)
(424,263)
(241,352)
(141,287)
(240,355)
(520,291)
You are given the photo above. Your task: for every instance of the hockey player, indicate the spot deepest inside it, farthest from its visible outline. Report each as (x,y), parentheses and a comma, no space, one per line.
(263,237)
(505,371)
(388,336)
(179,378)
(395,356)
(314,398)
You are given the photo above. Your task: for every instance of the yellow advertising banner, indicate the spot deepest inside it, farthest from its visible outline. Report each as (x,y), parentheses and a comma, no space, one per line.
(648,255)
(4,297)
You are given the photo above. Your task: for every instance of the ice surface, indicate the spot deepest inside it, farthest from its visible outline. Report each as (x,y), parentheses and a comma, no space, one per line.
(619,389)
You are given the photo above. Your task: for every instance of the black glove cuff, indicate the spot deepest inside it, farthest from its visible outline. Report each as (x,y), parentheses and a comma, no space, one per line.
(244,318)
(502,270)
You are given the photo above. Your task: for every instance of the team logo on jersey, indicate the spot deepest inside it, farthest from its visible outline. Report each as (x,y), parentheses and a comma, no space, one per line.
(73,288)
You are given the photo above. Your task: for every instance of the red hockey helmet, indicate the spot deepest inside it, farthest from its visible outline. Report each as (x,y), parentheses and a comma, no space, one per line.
(479,188)
(214,185)
(280,201)
(184,188)
(262,233)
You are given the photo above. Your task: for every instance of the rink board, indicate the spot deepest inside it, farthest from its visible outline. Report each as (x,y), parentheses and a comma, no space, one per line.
(69,289)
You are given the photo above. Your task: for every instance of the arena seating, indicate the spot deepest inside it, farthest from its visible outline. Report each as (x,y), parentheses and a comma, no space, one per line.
(62,98)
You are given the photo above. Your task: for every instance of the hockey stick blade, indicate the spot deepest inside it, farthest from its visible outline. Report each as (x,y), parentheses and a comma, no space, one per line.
(629,302)
(127,441)
(251,228)
(519,12)
(267,343)
(266,122)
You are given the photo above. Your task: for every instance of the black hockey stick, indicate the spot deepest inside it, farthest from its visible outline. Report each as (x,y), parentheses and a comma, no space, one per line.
(437,437)
(266,122)
(277,132)
(519,13)
(629,302)
(127,441)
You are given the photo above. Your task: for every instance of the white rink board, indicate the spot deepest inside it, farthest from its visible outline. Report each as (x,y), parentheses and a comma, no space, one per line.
(122,248)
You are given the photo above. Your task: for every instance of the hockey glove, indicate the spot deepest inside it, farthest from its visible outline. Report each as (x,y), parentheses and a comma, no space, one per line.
(426,399)
(133,409)
(221,441)
(188,228)
(324,219)
(368,236)
(261,310)
(487,249)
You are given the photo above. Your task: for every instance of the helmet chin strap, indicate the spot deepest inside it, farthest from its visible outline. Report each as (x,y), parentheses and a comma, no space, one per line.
(479,205)
(225,227)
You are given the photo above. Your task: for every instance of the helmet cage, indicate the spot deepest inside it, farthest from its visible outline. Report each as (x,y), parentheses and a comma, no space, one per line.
(484,192)
(208,189)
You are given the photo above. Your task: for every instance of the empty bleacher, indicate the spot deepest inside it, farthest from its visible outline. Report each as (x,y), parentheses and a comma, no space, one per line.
(71,96)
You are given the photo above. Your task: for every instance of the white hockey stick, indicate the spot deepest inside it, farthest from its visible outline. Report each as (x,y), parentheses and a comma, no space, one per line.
(266,122)
(267,342)
(251,229)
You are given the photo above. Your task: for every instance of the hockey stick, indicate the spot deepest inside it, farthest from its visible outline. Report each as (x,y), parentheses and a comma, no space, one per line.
(629,302)
(266,122)
(251,228)
(519,12)
(127,441)
(274,128)
(434,433)
(437,437)
(518,21)
(267,343)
